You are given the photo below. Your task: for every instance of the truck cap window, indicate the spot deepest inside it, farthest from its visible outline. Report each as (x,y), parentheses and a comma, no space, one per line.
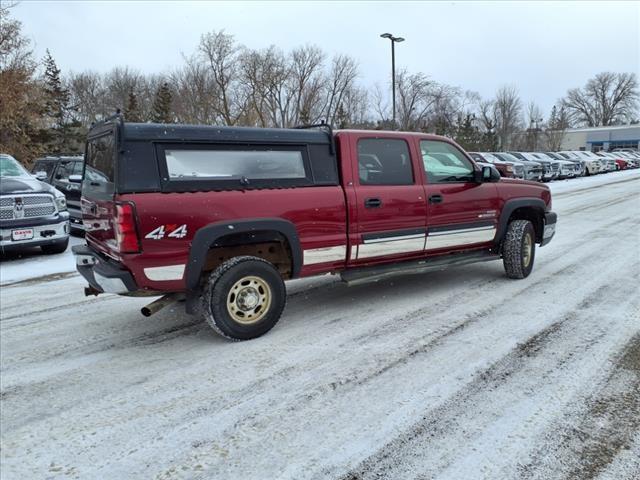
(443,163)
(100,165)
(234,164)
(384,161)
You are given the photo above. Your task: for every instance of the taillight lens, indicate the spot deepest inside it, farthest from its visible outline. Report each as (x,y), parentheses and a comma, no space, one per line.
(126,231)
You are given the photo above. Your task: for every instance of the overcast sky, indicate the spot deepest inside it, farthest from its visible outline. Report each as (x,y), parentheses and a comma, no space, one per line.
(541,48)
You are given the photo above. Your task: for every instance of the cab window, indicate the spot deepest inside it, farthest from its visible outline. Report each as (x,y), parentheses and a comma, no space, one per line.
(444,163)
(384,161)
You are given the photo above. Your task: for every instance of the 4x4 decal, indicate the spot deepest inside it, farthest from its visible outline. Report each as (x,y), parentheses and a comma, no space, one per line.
(172,231)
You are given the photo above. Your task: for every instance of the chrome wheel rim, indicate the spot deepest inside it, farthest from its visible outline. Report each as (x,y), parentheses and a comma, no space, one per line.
(526,250)
(249,300)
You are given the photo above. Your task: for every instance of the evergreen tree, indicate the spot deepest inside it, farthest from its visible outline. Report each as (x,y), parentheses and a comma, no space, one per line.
(132,110)
(467,134)
(161,112)
(64,131)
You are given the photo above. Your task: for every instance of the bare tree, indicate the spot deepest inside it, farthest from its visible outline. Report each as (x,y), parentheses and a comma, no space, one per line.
(607,99)
(341,77)
(306,83)
(222,55)
(87,96)
(508,113)
(534,119)
(196,92)
(557,127)
(414,99)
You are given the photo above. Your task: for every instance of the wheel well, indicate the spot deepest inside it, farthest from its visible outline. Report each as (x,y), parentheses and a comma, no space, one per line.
(534,215)
(271,246)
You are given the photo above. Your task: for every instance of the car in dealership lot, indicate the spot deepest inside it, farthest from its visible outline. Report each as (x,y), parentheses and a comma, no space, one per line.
(567,169)
(32,213)
(622,163)
(632,157)
(609,164)
(580,163)
(532,170)
(592,165)
(506,169)
(65,174)
(550,168)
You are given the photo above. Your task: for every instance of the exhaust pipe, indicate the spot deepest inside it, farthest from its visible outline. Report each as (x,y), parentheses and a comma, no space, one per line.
(160,303)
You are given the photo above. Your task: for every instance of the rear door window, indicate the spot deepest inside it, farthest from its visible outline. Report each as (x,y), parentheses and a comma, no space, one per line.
(384,161)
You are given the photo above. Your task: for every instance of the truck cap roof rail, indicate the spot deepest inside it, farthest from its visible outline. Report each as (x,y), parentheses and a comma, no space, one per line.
(323,126)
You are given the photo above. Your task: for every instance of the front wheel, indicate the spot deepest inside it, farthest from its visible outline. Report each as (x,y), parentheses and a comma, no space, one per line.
(519,249)
(243,298)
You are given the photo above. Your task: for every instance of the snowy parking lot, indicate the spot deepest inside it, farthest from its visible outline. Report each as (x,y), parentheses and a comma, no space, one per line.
(460,374)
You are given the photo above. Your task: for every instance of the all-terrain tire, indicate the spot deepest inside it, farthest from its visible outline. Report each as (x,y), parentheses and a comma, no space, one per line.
(54,248)
(238,276)
(519,249)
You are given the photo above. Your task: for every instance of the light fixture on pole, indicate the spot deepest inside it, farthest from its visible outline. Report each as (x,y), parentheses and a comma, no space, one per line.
(394,40)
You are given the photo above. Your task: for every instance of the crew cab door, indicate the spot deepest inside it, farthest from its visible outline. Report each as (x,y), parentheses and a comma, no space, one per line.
(391,208)
(460,212)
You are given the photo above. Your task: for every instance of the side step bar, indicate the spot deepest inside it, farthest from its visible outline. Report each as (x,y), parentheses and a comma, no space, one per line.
(368,274)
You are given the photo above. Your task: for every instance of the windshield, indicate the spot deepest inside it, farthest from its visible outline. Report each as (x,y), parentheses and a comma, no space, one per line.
(507,157)
(9,167)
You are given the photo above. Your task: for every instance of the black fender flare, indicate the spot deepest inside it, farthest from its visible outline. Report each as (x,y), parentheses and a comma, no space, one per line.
(510,206)
(207,236)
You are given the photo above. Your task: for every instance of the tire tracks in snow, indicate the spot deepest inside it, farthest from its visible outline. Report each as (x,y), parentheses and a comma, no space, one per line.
(558,347)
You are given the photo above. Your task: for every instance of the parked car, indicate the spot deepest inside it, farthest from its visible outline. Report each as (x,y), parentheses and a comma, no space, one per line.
(621,162)
(222,216)
(532,170)
(592,165)
(567,169)
(631,157)
(65,174)
(506,169)
(609,164)
(550,168)
(580,163)
(32,213)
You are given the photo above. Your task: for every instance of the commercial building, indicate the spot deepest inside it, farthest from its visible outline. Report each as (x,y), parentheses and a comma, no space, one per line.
(602,138)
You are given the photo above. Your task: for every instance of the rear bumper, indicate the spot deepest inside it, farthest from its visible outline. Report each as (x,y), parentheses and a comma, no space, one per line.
(101,274)
(550,219)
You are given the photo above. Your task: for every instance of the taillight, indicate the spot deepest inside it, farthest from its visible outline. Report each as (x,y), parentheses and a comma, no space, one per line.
(126,231)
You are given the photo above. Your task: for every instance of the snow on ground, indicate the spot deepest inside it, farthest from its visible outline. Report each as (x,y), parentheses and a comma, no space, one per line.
(455,374)
(31,263)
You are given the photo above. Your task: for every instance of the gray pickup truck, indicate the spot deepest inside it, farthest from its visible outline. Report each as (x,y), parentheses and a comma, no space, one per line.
(32,213)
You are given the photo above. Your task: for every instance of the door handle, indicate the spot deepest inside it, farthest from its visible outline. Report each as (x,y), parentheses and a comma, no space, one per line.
(373,203)
(435,198)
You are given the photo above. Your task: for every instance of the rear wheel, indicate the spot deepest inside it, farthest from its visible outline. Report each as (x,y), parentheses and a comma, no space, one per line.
(243,298)
(58,247)
(519,249)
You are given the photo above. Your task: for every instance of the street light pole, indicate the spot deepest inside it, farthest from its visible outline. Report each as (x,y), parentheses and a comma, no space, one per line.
(393,71)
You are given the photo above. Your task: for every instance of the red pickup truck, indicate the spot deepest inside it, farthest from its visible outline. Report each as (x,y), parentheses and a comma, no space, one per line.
(220,217)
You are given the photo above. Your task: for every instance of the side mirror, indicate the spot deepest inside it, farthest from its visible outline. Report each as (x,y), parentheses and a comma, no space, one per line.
(488,174)
(42,176)
(75,178)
